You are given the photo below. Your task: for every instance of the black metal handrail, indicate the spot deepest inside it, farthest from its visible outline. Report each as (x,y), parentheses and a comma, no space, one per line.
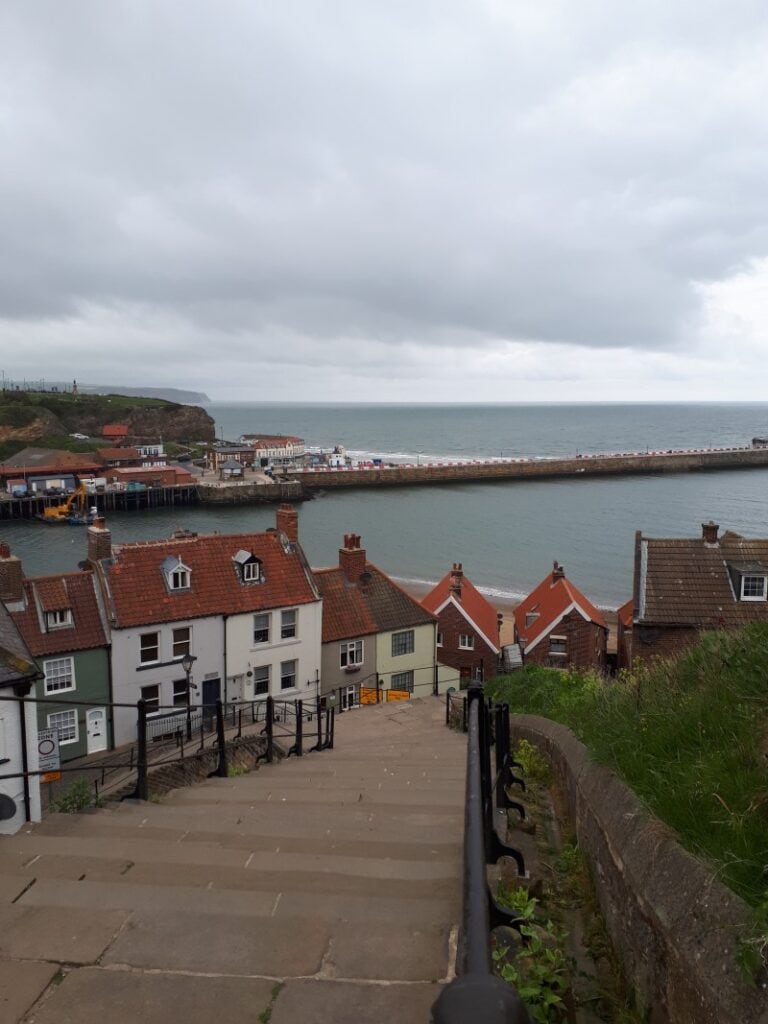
(477,995)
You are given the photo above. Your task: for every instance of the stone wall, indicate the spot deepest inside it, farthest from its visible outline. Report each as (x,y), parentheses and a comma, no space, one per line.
(248,494)
(674,926)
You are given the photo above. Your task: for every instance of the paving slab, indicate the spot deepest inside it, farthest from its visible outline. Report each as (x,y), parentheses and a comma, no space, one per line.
(73,935)
(21,984)
(335,1002)
(93,995)
(389,951)
(217,945)
(12,886)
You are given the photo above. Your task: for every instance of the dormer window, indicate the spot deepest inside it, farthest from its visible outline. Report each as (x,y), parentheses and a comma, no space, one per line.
(58,619)
(249,567)
(754,587)
(177,575)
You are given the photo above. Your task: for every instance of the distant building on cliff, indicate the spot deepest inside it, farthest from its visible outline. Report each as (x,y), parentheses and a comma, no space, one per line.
(557,626)
(467,626)
(684,586)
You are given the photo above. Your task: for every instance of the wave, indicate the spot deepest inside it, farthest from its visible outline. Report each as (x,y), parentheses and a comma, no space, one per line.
(499,593)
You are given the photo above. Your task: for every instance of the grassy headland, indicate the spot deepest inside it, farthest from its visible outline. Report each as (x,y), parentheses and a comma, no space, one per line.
(689,736)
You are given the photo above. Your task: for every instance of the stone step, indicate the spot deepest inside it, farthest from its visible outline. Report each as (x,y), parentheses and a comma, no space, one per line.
(159,901)
(302,796)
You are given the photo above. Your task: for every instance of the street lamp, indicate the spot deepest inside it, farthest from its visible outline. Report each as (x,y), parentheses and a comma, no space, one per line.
(186,663)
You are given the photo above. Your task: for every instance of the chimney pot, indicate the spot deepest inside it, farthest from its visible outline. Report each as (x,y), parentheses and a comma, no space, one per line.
(99,541)
(558,572)
(287,520)
(352,557)
(11,576)
(709,532)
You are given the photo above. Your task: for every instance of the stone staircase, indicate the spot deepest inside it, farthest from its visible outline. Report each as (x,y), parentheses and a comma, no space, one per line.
(325,890)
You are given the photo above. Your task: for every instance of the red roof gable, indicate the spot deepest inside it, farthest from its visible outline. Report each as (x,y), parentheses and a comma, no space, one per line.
(140,596)
(114,430)
(550,601)
(73,591)
(626,612)
(478,609)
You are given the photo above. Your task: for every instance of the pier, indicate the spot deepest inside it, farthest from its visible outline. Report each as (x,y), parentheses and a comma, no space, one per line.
(106,501)
(490,470)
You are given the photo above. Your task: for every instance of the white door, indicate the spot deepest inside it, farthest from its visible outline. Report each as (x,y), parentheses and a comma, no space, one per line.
(96,724)
(349,698)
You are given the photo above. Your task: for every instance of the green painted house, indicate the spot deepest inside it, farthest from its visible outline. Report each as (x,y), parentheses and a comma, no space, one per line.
(61,622)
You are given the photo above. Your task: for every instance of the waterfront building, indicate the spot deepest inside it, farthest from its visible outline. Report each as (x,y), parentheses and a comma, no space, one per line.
(684,586)
(468,626)
(557,626)
(220,452)
(43,469)
(275,449)
(372,629)
(245,607)
(63,627)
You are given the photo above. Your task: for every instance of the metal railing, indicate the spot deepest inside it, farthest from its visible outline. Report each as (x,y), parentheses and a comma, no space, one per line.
(477,995)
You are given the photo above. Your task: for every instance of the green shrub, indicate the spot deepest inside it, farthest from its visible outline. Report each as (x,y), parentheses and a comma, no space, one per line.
(76,797)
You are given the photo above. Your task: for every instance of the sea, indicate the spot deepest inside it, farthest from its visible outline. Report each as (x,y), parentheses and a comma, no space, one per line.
(506,534)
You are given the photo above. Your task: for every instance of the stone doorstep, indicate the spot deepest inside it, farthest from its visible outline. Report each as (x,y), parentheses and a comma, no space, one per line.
(158,900)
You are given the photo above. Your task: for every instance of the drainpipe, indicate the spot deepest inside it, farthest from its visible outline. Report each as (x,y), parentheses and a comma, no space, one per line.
(226,617)
(22,690)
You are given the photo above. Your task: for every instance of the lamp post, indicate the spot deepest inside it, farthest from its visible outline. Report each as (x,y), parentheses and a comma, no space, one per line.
(186,663)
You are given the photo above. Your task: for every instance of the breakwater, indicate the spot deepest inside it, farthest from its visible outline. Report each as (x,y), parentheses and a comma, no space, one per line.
(702,460)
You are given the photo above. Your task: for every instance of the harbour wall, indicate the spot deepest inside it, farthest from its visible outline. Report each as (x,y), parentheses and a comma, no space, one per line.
(534,469)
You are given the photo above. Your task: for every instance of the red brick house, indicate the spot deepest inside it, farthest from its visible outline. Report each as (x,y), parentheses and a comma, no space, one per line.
(467,626)
(684,586)
(558,627)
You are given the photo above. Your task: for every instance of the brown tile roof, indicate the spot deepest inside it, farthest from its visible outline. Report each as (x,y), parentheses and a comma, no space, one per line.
(373,604)
(139,596)
(48,460)
(16,663)
(686,581)
(551,600)
(75,591)
(477,608)
(113,454)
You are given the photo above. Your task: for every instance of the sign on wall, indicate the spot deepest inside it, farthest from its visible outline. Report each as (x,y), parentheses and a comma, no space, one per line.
(48,754)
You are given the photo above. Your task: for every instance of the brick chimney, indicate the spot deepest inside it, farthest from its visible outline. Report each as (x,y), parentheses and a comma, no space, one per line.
(99,540)
(558,572)
(287,519)
(457,575)
(709,532)
(352,557)
(11,576)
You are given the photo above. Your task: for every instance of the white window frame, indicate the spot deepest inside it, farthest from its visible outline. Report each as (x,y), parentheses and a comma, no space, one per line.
(51,725)
(560,639)
(351,653)
(466,642)
(48,666)
(754,597)
(268,617)
(153,701)
(175,642)
(156,645)
(402,681)
(179,578)
(252,571)
(58,619)
(181,695)
(439,640)
(266,677)
(407,638)
(289,628)
(291,675)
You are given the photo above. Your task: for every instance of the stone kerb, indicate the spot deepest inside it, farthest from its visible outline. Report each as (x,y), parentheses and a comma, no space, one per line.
(675,927)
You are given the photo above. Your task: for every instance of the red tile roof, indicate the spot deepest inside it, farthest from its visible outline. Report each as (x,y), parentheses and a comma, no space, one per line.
(478,609)
(625,613)
(114,430)
(372,604)
(75,591)
(139,595)
(554,597)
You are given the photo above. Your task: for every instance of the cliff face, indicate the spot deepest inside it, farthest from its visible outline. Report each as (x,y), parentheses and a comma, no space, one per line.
(172,423)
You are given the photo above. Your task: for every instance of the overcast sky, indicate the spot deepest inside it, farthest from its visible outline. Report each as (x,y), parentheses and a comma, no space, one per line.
(411,200)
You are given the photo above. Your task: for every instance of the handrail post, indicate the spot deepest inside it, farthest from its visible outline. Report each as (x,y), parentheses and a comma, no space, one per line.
(141,760)
(299,747)
(222,770)
(319,724)
(269,725)
(447,708)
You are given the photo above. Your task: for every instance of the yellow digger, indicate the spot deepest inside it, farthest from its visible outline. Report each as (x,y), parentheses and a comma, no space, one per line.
(72,511)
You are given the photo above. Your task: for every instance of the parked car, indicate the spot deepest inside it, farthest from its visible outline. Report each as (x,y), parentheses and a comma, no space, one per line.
(80,437)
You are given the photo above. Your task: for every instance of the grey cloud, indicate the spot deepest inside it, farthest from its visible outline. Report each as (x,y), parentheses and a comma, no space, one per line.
(448,174)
